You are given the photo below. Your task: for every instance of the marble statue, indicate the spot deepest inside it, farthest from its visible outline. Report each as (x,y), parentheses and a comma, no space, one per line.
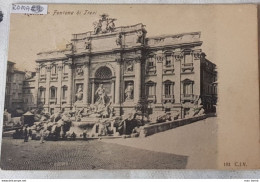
(79,94)
(129,66)
(101,95)
(119,40)
(80,71)
(129,91)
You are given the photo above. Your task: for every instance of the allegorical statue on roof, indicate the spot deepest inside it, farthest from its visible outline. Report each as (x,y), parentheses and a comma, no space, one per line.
(104,24)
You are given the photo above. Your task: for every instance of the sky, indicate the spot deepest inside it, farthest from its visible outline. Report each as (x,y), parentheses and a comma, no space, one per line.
(30,34)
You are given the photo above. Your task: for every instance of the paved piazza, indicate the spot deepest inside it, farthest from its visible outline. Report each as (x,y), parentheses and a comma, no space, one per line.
(190,146)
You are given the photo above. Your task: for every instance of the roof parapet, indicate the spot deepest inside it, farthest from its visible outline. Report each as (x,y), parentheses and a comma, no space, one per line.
(173,39)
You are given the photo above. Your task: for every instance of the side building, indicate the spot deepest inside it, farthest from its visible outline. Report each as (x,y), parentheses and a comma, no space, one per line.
(14,89)
(29,94)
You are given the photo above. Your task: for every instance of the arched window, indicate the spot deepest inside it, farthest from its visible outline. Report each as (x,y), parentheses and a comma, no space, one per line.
(64,92)
(103,73)
(53,92)
(187,87)
(42,92)
(168,88)
(150,88)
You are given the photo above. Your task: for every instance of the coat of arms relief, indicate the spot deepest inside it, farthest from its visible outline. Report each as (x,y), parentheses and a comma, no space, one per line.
(104,24)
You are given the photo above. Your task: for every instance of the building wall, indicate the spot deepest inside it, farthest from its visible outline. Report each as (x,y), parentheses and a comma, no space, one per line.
(14,89)
(208,85)
(165,72)
(29,96)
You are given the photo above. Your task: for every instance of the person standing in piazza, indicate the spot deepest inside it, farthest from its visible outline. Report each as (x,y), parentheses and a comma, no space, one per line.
(26,134)
(42,135)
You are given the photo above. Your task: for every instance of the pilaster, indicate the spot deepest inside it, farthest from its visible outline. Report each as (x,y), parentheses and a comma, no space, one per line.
(69,82)
(48,76)
(92,92)
(86,83)
(178,85)
(117,82)
(36,88)
(59,86)
(138,82)
(159,86)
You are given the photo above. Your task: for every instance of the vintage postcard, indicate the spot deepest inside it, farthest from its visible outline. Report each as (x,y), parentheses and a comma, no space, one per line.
(131,87)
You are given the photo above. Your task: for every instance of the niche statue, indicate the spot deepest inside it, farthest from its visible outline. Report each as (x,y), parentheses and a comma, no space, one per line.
(79,94)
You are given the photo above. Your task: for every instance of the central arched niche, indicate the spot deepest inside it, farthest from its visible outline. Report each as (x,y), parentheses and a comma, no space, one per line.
(103,75)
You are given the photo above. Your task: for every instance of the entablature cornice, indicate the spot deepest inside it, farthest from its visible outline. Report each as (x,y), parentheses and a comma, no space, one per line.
(173,46)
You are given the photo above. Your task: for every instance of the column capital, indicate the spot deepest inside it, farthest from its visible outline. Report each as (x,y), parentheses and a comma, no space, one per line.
(59,67)
(119,60)
(70,65)
(138,59)
(197,54)
(37,69)
(159,58)
(178,55)
(48,68)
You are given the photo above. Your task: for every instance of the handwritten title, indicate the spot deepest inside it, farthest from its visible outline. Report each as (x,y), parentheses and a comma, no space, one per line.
(69,13)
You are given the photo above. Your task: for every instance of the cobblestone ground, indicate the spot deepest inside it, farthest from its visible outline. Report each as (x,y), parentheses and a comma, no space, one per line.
(197,140)
(94,154)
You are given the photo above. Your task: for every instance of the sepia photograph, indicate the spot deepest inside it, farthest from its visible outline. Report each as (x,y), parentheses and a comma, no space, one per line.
(118,87)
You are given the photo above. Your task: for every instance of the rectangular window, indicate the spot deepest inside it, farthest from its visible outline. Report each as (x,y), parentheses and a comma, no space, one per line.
(42,94)
(188,59)
(53,93)
(65,69)
(168,60)
(150,62)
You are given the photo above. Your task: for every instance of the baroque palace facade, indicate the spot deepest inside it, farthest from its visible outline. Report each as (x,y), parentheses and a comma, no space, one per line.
(124,67)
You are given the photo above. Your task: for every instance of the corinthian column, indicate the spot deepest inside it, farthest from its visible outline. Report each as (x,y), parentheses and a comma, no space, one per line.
(86,83)
(48,79)
(137,83)
(159,70)
(118,80)
(69,82)
(59,67)
(36,88)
